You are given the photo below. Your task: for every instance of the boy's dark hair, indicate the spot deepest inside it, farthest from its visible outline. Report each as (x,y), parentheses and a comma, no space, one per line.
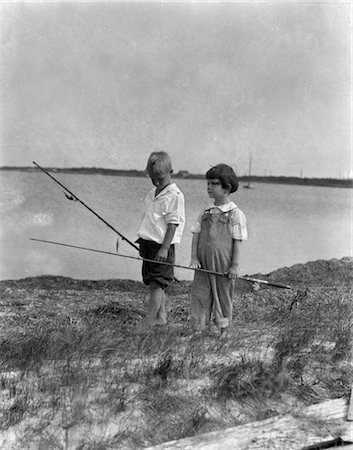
(225,174)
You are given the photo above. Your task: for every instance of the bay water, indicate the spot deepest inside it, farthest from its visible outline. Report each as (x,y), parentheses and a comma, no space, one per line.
(287,224)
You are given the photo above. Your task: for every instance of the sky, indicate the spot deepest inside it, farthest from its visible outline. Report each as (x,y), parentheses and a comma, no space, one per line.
(104,84)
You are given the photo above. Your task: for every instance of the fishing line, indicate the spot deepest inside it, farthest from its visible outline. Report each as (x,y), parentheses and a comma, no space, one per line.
(251,280)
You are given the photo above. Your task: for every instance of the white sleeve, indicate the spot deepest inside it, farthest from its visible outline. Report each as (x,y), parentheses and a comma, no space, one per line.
(238,225)
(196,226)
(176,210)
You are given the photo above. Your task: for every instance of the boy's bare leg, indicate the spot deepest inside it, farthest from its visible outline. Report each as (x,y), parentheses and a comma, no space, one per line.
(156,307)
(162,315)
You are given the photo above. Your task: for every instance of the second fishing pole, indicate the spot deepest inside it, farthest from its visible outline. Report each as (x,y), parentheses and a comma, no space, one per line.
(210,272)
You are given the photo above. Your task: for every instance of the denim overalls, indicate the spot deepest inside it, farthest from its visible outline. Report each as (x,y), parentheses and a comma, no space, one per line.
(213,293)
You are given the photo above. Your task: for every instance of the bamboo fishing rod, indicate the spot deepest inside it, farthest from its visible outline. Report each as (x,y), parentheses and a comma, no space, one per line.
(75,198)
(250,279)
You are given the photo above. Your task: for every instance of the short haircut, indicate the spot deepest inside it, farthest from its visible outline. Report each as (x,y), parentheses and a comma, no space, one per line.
(159,163)
(225,174)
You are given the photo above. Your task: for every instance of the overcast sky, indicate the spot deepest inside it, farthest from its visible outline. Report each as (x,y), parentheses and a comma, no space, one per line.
(105,84)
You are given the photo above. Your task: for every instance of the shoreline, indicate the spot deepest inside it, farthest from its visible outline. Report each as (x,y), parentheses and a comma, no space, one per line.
(311,272)
(183,174)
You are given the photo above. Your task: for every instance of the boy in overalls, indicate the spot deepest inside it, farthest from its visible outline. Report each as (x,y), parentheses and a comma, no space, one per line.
(217,236)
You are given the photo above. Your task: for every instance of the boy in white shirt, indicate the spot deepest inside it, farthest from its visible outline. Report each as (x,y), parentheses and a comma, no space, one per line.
(217,236)
(161,227)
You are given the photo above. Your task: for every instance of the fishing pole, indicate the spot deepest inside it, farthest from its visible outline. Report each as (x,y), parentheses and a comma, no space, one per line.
(250,279)
(75,198)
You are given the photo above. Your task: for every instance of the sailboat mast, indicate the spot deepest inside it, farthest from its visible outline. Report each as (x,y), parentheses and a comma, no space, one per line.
(248,186)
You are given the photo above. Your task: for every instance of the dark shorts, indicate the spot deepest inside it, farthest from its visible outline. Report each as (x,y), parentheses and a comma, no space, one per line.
(159,273)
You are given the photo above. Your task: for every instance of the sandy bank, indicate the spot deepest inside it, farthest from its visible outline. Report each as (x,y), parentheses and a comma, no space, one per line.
(320,272)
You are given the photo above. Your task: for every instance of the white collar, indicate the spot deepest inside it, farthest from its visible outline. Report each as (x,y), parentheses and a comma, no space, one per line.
(169,188)
(224,208)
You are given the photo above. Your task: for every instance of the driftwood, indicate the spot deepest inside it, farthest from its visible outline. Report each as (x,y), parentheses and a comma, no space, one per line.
(312,425)
(350,407)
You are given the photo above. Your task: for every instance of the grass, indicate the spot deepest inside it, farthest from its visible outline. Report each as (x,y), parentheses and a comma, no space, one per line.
(75,374)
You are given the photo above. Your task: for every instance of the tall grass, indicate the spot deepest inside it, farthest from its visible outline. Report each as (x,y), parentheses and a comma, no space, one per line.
(82,377)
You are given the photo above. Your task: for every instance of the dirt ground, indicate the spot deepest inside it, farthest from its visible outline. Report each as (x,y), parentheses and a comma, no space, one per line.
(76,374)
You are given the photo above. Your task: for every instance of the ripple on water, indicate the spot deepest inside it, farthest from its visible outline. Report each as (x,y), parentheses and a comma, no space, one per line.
(39,219)
(11,199)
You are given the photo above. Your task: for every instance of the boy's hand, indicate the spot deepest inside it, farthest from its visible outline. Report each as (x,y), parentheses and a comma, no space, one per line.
(233,272)
(195,263)
(161,255)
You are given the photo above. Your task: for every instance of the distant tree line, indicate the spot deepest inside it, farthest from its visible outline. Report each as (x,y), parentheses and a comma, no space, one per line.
(333,182)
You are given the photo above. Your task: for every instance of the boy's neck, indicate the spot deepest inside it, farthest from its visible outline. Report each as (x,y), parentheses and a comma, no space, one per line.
(165,182)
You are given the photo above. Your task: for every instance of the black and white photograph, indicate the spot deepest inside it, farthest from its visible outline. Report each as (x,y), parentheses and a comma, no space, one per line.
(176,244)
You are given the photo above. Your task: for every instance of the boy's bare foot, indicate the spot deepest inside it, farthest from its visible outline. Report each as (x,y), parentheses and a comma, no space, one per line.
(144,326)
(224,332)
(160,322)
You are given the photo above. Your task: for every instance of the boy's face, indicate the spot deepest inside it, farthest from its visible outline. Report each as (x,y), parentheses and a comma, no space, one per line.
(215,189)
(159,179)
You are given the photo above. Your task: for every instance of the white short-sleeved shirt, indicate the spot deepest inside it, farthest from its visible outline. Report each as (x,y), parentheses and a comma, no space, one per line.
(237,229)
(167,207)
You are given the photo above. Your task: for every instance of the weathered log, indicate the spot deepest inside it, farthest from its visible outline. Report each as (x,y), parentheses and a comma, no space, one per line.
(308,426)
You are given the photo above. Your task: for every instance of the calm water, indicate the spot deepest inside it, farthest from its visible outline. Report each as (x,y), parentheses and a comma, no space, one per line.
(287,224)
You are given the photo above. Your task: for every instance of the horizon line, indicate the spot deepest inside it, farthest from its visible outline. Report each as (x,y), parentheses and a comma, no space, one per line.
(183,172)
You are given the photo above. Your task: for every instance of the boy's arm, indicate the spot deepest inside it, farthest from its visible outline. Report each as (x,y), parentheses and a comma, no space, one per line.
(163,251)
(234,266)
(195,263)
